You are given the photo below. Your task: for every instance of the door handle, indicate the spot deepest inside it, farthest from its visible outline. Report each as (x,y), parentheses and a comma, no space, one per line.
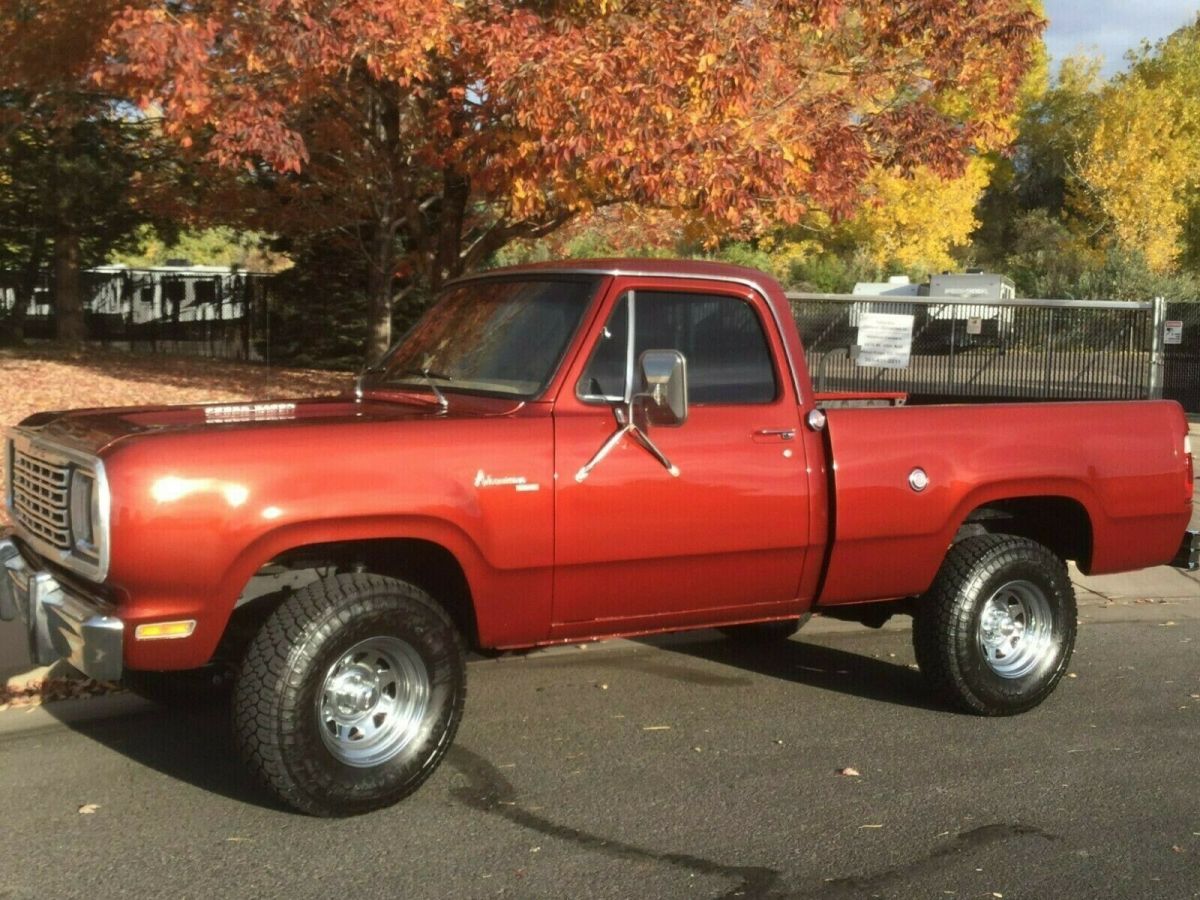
(775,434)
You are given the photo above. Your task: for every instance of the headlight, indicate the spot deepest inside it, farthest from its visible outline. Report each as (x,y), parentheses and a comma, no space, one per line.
(85,511)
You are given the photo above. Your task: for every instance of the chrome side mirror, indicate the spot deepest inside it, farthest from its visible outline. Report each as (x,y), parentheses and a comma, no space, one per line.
(663,400)
(664,387)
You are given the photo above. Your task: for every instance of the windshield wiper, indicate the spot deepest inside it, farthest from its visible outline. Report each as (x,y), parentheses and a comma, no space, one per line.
(429,375)
(361,378)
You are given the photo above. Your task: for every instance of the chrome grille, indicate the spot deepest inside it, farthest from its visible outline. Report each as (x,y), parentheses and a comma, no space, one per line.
(40,503)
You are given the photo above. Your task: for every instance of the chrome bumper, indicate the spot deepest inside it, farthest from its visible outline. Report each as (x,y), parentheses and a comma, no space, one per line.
(59,624)
(1188,556)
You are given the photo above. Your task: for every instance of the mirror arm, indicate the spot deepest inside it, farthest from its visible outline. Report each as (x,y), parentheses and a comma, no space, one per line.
(630,428)
(651,448)
(604,450)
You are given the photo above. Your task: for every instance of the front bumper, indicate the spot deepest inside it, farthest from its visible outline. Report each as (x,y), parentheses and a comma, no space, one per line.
(60,623)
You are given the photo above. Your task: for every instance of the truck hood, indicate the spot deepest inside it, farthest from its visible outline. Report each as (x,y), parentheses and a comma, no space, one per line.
(94,430)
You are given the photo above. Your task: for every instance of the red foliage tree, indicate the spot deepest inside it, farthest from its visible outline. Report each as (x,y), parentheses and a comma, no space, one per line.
(433,132)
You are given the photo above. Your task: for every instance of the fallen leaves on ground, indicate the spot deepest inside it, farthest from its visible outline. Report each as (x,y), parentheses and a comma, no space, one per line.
(849,771)
(35,693)
(88,809)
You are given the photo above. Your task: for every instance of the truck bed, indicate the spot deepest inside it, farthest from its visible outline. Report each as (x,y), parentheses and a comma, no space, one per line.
(1107,462)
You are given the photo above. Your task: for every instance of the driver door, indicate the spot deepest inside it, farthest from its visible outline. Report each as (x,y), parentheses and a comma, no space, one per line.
(637,548)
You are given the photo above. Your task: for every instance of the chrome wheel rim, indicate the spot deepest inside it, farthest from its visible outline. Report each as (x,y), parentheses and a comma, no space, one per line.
(1016,629)
(373,701)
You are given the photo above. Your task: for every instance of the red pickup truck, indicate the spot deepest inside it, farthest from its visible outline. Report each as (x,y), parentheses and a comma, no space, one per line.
(562,453)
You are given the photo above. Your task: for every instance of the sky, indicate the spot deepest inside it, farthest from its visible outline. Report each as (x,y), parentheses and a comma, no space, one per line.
(1110,27)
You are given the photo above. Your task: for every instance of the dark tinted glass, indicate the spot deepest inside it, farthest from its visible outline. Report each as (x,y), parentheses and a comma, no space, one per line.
(727,354)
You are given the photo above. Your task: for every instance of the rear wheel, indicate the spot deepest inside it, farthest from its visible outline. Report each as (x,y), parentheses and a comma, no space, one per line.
(351,694)
(995,633)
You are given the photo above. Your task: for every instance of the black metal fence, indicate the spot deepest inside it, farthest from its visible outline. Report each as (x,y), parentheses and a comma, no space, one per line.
(1181,361)
(990,351)
(986,351)
(203,313)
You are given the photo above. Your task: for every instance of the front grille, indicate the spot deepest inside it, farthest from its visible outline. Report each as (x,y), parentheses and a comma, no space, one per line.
(40,488)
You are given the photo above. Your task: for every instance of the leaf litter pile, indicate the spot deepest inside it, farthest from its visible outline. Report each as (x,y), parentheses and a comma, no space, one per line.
(49,378)
(25,692)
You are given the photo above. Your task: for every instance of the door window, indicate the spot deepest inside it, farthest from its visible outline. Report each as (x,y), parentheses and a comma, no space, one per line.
(721,337)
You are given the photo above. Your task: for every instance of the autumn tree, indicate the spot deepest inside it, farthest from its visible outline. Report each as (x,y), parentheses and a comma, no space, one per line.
(916,221)
(431,133)
(1141,168)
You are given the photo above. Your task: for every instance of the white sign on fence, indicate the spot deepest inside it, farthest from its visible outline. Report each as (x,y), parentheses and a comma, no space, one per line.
(1173,331)
(975,325)
(884,340)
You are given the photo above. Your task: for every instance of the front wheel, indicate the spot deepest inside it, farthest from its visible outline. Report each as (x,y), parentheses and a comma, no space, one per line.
(995,633)
(351,694)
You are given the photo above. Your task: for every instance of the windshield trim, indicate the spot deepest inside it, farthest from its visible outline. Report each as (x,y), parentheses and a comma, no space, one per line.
(634,272)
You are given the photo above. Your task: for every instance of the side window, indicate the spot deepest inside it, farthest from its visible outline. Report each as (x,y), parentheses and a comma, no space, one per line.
(722,339)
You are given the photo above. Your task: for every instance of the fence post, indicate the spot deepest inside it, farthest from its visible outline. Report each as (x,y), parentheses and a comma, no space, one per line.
(1048,356)
(1156,349)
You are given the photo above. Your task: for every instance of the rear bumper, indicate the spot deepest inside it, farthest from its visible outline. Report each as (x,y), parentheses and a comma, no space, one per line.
(59,623)
(1188,556)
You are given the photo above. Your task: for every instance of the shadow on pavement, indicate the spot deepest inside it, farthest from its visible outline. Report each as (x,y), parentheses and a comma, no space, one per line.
(827,668)
(194,746)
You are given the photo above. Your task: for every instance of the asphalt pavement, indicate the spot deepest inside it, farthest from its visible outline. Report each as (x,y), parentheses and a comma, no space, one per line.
(688,766)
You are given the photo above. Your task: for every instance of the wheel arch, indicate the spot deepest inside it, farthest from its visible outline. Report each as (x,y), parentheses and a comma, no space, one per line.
(1059,522)
(419,561)
(432,554)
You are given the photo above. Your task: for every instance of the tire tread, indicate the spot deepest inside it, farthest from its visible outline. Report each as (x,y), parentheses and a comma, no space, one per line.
(942,613)
(270,680)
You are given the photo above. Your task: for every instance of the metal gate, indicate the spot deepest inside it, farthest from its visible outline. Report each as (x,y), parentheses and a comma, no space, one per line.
(1181,361)
(991,351)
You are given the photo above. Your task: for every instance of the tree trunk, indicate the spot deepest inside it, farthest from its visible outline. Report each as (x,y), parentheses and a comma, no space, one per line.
(68,288)
(381,274)
(456,191)
(27,289)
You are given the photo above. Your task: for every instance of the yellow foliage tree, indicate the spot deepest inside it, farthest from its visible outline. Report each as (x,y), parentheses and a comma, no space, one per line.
(1141,169)
(915,222)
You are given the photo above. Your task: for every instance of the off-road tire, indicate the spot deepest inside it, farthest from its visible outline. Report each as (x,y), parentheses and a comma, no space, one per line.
(183,689)
(282,696)
(962,654)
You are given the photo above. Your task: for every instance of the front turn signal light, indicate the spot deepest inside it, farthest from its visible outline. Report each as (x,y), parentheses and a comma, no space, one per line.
(157,631)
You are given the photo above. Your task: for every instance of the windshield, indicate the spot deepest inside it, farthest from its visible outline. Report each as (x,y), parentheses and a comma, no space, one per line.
(501,336)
